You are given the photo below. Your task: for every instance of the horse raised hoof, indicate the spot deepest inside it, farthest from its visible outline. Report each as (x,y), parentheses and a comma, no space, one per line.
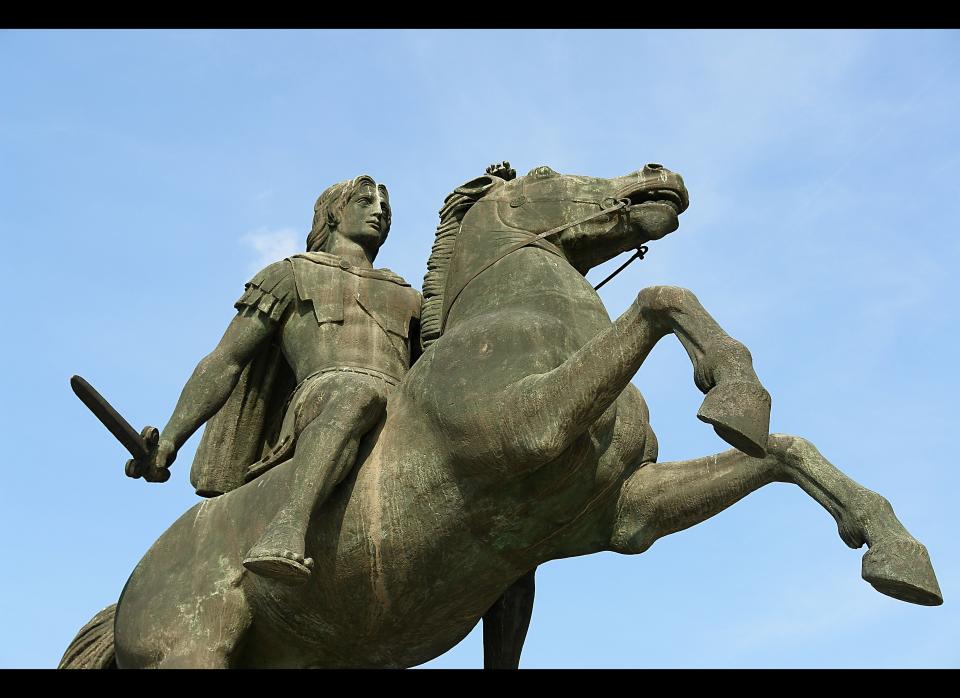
(282,569)
(740,414)
(901,568)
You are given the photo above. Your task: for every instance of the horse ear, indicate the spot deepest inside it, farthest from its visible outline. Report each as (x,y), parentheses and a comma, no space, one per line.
(478,187)
(541,172)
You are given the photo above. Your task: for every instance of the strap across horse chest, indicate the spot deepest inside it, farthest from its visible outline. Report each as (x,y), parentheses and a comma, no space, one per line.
(620,206)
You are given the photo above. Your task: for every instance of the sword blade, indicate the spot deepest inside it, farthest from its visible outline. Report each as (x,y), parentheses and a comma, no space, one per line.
(110,418)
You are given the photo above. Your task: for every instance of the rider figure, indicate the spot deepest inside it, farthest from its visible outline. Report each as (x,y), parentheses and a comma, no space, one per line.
(347,331)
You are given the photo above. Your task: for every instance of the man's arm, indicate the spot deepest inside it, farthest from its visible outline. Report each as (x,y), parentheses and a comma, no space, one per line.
(209,387)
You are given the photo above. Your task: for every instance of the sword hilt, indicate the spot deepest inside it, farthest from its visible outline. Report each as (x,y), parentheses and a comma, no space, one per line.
(135,466)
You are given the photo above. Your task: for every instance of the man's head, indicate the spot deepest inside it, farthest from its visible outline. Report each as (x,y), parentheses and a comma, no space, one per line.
(357,208)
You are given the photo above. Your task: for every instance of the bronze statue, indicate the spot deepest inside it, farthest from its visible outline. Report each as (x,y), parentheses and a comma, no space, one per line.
(516,438)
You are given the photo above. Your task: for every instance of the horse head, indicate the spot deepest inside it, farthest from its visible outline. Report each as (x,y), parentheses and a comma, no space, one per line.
(595,218)
(585,220)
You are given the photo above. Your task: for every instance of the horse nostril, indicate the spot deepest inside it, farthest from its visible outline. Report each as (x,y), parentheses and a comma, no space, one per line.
(653,166)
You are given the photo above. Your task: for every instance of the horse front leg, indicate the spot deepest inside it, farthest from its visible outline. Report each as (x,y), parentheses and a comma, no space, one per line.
(662,498)
(736,404)
(896,563)
(539,416)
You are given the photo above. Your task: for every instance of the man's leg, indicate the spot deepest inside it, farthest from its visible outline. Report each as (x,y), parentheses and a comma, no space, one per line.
(325,453)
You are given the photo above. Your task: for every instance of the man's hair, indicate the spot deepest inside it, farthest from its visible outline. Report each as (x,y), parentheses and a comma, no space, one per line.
(329,208)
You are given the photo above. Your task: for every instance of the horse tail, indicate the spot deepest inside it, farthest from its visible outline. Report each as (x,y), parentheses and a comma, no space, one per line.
(92,648)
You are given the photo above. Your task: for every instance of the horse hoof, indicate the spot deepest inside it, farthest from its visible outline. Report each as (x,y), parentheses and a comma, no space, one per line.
(901,568)
(740,414)
(282,569)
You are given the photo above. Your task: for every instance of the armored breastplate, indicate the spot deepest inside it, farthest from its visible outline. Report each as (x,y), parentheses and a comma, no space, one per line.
(372,308)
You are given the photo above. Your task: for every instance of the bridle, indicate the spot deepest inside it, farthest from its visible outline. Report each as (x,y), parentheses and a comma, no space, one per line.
(619,208)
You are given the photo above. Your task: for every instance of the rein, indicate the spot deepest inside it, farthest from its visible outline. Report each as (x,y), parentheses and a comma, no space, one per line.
(642,250)
(618,209)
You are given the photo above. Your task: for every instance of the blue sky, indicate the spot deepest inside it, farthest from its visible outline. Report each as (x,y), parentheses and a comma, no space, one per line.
(146,175)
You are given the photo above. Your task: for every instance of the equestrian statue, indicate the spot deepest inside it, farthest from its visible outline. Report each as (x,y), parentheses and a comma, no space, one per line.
(382,470)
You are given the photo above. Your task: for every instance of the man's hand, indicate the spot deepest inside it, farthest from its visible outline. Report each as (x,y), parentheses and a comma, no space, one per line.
(155,467)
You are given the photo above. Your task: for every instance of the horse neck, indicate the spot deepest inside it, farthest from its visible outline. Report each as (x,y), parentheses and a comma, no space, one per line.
(519,279)
(529,282)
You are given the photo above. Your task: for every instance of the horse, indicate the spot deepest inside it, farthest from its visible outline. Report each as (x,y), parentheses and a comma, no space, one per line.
(515,439)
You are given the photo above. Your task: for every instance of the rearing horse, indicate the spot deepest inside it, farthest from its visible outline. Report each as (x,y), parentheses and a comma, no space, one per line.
(517,438)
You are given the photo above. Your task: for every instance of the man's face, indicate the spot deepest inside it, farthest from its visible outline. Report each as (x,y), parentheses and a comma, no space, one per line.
(363,218)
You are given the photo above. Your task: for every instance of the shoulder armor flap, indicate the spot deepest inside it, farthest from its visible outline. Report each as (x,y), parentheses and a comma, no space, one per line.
(322,286)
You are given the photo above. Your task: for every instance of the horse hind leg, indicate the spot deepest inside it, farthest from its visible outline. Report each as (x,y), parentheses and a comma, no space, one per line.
(663,498)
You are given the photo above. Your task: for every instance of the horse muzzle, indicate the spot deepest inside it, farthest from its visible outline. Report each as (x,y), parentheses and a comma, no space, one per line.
(654,183)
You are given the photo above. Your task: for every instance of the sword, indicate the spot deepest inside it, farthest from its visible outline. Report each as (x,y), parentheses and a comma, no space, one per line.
(140,446)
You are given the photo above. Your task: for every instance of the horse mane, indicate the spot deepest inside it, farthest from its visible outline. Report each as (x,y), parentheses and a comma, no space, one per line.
(455,207)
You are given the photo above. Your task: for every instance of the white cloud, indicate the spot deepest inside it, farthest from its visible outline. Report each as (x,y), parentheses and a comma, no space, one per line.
(272,245)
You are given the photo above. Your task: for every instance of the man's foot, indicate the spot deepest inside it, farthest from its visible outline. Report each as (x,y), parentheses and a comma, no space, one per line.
(291,570)
(268,559)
